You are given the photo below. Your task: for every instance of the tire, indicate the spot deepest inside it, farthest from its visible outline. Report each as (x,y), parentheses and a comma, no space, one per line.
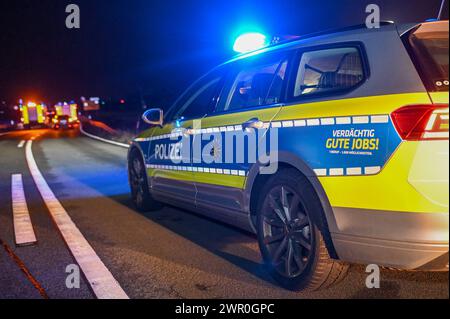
(140,192)
(291,244)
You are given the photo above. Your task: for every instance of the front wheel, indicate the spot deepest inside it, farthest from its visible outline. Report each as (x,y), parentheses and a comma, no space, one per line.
(140,191)
(291,244)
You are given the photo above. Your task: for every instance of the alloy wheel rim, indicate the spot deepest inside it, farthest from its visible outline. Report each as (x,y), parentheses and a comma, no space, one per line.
(137,181)
(287,232)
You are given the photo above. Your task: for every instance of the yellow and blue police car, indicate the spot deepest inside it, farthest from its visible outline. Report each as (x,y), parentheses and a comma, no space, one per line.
(333,148)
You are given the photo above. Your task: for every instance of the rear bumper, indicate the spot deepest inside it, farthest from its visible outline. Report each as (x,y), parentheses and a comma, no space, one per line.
(393,239)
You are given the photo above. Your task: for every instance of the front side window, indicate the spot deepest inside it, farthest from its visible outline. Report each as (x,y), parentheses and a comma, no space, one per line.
(200,99)
(328,70)
(255,84)
(201,102)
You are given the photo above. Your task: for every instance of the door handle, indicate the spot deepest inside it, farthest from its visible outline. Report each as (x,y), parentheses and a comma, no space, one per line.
(252,124)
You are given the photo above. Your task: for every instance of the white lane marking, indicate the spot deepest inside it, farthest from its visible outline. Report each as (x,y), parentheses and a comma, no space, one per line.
(21,144)
(99,277)
(23,228)
(102,139)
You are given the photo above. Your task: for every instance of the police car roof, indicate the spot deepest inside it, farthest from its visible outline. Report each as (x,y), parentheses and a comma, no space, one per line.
(350,33)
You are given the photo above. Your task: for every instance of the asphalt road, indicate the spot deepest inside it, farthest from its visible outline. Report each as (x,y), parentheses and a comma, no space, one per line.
(169,253)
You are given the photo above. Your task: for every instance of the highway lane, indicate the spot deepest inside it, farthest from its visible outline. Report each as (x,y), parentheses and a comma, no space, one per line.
(47,260)
(169,253)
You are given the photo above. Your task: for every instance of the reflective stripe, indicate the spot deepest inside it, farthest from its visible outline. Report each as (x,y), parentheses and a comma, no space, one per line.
(300,123)
(435,135)
(276,124)
(198,169)
(372,170)
(379,119)
(321,172)
(327,121)
(288,124)
(313,122)
(354,171)
(366,119)
(343,120)
(351,171)
(336,171)
(360,120)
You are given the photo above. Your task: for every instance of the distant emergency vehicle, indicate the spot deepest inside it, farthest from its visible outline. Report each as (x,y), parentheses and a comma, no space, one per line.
(66,116)
(33,114)
(67,109)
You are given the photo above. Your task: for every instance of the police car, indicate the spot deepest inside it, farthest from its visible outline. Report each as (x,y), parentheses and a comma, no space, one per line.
(332,148)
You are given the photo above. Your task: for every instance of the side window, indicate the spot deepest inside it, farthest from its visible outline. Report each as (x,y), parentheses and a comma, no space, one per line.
(200,99)
(255,85)
(328,70)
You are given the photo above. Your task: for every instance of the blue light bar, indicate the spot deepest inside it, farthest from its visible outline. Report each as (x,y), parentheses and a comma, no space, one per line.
(248,42)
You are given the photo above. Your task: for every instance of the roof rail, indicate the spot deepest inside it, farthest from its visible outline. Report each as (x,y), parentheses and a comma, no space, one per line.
(328,31)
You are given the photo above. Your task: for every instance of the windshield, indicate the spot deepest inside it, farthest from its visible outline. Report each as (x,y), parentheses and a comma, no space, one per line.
(429,44)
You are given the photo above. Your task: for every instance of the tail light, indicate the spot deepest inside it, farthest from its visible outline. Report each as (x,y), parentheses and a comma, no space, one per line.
(422,122)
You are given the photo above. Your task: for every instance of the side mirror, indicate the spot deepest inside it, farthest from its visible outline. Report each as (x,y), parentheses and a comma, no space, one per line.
(153,117)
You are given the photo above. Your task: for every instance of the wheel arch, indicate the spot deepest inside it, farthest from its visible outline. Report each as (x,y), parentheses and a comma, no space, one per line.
(256,180)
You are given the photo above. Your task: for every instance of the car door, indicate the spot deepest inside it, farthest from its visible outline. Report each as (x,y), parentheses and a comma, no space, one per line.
(251,97)
(169,152)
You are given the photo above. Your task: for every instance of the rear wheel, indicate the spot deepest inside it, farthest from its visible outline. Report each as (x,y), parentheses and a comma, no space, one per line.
(291,244)
(140,191)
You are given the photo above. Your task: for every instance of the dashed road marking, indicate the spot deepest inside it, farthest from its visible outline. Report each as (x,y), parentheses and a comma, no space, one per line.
(23,228)
(102,282)
(21,144)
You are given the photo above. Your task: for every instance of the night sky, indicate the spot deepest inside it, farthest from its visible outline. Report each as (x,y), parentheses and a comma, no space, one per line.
(157,47)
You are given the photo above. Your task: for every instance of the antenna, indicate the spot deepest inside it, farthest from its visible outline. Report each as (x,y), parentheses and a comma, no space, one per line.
(441,10)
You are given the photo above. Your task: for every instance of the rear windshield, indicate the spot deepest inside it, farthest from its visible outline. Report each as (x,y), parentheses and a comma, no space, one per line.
(429,46)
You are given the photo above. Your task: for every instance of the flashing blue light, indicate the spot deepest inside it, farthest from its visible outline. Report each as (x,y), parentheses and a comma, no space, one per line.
(178,122)
(248,42)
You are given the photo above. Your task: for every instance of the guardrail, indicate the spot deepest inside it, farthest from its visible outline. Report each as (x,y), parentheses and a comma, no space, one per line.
(101,138)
